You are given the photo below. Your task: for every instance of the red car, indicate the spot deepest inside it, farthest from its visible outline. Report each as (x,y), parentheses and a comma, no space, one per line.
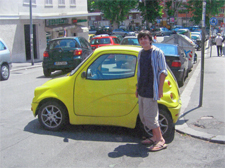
(100,41)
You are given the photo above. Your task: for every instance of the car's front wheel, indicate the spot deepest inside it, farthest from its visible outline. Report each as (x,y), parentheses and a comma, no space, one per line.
(165,122)
(52,115)
(5,72)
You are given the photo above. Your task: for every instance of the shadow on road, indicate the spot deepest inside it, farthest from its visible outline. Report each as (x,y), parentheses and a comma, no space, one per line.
(91,133)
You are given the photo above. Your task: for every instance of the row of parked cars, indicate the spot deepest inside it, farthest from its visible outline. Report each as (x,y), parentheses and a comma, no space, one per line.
(67,53)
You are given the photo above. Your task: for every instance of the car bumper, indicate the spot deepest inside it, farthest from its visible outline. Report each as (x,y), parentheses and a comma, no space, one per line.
(178,74)
(34,108)
(70,65)
(175,112)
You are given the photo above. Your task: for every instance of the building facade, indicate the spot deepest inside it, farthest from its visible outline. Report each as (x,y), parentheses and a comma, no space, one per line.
(51,19)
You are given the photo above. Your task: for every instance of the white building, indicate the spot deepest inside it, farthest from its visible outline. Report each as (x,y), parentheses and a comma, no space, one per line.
(51,19)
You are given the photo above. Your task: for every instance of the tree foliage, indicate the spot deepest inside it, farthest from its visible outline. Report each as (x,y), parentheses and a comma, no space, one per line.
(150,10)
(212,9)
(114,10)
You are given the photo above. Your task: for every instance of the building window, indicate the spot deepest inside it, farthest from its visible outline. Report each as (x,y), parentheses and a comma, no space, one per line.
(48,2)
(28,2)
(61,2)
(72,2)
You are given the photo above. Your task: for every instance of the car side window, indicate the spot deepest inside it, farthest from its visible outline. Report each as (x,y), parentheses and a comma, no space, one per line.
(112,66)
(116,40)
(2,46)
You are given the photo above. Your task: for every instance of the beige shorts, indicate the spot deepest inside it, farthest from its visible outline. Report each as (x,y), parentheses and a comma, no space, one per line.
(148,112)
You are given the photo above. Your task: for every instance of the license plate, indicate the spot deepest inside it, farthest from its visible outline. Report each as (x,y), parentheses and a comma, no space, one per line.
(61,63)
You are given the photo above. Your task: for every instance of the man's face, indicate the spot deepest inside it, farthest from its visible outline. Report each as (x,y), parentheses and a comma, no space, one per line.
(145,42)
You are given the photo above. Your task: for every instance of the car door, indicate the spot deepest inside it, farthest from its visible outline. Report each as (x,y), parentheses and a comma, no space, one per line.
(105,90)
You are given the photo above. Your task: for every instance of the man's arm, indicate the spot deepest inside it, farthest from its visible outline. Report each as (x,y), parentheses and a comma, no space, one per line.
(161,82)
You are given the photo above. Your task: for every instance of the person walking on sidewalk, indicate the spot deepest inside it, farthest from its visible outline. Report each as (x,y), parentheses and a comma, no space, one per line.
(150,79)
(219,40)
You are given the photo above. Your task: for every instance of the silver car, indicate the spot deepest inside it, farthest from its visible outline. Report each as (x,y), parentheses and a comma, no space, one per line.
(5,61)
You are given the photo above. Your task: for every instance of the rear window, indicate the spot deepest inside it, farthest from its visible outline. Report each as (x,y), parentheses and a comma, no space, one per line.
(67,43)
(167,49)
(100,41)
(2,46)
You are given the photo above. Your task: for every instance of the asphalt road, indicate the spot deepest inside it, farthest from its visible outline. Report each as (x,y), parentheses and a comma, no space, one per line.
(23,143)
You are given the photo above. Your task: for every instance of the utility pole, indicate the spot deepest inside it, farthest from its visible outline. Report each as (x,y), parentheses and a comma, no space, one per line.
(202,53)
(31,35)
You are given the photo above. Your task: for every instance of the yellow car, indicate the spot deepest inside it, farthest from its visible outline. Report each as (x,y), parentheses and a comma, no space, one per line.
(98,92)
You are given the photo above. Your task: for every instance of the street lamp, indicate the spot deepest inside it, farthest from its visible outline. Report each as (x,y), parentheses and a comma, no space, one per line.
(31,35)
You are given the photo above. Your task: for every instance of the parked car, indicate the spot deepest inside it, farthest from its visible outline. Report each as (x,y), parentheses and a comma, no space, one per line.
(119,37)
(5,61)
(130,40)
(196,38)
(98,93)
(65,54)
(162,31)
(176,60)
(100,41)
(123,32)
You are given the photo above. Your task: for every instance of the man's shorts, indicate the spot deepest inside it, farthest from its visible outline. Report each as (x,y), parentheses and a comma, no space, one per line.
(148,112)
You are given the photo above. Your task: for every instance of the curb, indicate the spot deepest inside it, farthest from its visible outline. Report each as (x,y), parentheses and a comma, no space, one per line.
(25,67)
(181,126)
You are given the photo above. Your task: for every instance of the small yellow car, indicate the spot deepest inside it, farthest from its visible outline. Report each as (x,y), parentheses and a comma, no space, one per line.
(98,92)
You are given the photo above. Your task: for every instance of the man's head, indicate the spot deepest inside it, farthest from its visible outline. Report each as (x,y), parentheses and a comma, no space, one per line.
(145,39)
(145,33)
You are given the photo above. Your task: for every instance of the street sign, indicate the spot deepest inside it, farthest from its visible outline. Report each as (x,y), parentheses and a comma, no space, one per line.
(213,21)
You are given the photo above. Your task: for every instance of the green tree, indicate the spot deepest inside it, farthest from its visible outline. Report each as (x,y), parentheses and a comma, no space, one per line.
(212,9)
(115,10)
(150,10)
(172,7)
(91,5)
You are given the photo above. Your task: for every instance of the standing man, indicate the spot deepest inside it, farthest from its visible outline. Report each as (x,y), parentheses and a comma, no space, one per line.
(150,77)
(219,40)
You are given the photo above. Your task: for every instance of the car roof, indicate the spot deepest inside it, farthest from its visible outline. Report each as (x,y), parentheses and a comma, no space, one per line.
(100,37)
(65,38)
(119,47)
(134,37)
(165,44)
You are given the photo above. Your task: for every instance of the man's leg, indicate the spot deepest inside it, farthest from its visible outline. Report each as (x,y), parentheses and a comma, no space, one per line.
(218,51)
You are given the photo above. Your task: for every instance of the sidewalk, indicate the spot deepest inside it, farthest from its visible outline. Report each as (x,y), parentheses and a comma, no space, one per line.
(206,122)
(26,65)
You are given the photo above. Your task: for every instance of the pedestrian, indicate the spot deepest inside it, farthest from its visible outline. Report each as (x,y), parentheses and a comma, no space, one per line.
(219,40)
(155,38)
(150,79)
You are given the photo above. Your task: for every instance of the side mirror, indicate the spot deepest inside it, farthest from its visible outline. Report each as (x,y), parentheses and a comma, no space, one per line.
(83,75)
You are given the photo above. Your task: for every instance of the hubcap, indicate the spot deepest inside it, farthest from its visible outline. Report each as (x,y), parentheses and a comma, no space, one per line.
(163,123)
(5,72)
(51,116)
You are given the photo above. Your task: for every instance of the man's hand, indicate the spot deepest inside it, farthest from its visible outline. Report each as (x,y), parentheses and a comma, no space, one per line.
(136,94)
(160,93)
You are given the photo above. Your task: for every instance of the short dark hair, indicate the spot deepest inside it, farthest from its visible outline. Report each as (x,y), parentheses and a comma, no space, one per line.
(144,33)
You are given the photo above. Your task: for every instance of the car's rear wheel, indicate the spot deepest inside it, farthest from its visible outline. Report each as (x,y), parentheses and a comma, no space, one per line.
(52,115)
(47,72)
(165,122)
(4,72)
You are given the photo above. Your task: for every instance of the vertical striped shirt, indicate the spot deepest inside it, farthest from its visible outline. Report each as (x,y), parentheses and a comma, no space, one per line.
(158,65)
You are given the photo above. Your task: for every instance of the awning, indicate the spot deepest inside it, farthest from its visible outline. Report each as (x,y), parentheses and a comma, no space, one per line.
(67,26)
(70,15)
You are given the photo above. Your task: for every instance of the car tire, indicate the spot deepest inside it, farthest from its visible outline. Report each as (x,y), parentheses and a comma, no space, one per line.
(165,122)
(5,72)
(181,82)
(47,72)
(52,115)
